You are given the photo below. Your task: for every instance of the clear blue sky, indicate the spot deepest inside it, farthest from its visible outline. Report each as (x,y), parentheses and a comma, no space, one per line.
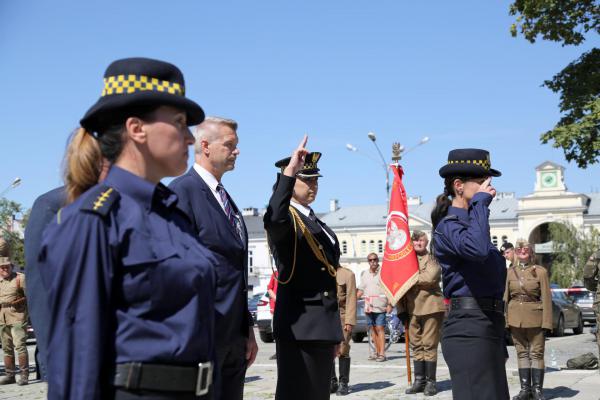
(333,69)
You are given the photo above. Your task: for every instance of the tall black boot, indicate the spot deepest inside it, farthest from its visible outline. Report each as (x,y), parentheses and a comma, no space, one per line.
(537,378)
(430,389)
(419,384)
(333,385)
(525,379)
(344,376)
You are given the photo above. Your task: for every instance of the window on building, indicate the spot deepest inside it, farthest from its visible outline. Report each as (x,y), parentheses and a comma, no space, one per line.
(504,239)
(380,246)
(250,261)
(371,246)
(495,240)
(344,247)
(363,246)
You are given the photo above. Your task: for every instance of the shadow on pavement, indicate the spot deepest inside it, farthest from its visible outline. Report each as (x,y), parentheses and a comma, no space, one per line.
(359,387)
(560,392)
(442,386)
(252,379)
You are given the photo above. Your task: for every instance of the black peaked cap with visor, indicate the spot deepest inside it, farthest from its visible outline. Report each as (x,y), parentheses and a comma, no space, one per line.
(468,163)
(310,168)
(140,82)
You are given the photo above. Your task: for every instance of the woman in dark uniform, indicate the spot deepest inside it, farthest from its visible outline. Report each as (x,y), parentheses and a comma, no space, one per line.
(528,313)
(130,289)
(474,276)
(306,323)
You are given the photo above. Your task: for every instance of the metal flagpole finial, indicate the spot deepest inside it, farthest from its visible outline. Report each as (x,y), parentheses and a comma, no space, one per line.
(396,150)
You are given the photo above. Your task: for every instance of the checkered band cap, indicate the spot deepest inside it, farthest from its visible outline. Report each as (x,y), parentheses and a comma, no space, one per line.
(468,163)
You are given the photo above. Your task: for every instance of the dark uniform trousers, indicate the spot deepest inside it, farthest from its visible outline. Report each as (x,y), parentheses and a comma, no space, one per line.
(148,395)
(424,333)
(480,374)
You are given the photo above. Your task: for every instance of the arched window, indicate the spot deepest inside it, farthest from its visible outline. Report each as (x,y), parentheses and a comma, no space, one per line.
(504,239)
(363,246)
(495,240)
(380,246)
(372,246)
(344,247)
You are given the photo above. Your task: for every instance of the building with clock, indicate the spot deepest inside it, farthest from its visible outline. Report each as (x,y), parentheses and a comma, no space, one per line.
(361,229)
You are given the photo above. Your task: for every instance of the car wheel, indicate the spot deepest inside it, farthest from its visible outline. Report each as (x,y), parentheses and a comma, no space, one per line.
(579,329)
(358,337)
(266,337)
(560,327)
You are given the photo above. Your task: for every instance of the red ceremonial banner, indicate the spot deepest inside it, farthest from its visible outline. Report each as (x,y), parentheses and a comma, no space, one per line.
(400,267)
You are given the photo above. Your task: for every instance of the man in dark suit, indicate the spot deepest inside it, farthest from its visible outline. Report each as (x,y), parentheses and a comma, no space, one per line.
(44,209)
(221,229)
(306,323)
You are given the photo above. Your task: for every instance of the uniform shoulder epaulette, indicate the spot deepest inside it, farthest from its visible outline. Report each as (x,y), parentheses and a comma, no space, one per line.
(450,217)
(100,200)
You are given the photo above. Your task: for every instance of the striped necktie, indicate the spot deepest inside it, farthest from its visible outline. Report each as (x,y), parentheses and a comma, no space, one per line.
(231,216)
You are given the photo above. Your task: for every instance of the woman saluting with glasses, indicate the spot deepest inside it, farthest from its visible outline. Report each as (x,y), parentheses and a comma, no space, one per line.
(474,276)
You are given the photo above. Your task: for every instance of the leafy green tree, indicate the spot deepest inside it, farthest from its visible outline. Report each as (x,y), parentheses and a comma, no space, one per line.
(8,211)
(568,22)
(572,248)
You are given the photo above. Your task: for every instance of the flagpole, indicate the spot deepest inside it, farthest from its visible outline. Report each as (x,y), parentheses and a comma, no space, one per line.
(396,157)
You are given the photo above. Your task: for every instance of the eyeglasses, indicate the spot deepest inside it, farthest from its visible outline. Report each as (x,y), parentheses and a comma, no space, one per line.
(373,260)
(522,249)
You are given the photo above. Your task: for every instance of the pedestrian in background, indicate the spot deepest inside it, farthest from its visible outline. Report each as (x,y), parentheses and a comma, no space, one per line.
(220,227)
(591,275)
(130,288)
(528,314)
(474,277)
(306,324)
(508,252)
(346,294)
(376,306)
(423,306)
(13,319)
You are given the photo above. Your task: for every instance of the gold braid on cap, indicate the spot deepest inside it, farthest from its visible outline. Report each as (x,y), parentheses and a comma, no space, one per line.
(313,243)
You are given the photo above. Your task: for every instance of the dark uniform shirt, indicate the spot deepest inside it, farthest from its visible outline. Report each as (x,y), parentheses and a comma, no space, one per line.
(471,264)
(127,282)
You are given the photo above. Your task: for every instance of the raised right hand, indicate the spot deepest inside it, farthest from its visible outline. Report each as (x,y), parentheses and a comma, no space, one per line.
(297,159)
(486,187)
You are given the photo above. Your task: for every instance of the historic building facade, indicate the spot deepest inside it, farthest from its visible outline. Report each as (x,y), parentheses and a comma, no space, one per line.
(361,229)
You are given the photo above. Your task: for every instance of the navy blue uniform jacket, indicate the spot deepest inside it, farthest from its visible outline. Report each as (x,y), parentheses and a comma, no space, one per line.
(127,281)
(471,265)
(44,209)
(307,306)
(231,253)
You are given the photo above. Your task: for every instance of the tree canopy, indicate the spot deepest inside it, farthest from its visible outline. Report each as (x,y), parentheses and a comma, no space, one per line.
(578,84)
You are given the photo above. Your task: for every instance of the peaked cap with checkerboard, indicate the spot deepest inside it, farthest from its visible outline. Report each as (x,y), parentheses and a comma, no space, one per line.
(140,82)
(468,163)
(310,168)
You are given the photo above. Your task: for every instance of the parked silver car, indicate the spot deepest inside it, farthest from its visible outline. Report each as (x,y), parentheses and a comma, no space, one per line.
(585,300)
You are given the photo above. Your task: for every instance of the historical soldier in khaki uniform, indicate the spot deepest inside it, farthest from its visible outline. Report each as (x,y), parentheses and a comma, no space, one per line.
(346,294)
(529,312)
(13,318)
(424,305)
(591,275)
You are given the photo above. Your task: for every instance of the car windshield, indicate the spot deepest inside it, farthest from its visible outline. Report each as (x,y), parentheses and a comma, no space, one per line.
(581,296)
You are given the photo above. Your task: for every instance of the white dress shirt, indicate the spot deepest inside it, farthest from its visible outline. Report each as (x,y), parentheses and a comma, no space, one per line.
(306,212)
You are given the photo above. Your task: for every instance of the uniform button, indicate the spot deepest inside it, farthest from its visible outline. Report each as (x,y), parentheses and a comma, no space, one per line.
(325,294)
(322,268)
(321,246)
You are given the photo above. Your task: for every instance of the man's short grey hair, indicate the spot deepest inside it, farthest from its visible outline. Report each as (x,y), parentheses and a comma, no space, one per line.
(207,130)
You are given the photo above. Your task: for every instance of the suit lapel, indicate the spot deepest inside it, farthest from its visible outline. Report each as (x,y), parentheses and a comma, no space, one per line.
(318,230)
(216,207)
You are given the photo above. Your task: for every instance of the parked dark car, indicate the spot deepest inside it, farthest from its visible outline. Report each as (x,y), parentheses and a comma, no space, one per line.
(253,304)
(585,300)
(359,332)
(565,314)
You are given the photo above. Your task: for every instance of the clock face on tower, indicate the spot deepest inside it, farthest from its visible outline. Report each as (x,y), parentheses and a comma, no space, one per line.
(549,179)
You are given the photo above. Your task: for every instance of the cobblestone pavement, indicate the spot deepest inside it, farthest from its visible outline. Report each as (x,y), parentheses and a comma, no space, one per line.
(383,381)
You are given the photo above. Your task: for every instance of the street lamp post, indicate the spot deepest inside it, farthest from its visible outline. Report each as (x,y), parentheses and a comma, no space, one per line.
(16,182)
(373,139)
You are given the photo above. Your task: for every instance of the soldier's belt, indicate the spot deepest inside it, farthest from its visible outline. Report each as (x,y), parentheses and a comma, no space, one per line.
(525,298)
(166,378)
(477,303)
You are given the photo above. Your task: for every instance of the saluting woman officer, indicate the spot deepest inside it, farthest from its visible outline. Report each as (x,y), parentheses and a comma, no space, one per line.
(131,290)
(474,276)
(306,323)
(529,312)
